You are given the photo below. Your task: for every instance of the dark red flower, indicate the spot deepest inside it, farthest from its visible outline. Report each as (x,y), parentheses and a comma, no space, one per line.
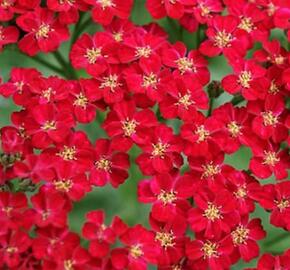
(45,32)
(168,193)
(161,152)
(108,165)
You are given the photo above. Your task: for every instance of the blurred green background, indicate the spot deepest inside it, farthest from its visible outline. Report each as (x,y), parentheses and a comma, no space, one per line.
(123,202)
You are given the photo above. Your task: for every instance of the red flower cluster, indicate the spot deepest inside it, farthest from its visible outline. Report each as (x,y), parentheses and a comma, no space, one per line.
(144,84)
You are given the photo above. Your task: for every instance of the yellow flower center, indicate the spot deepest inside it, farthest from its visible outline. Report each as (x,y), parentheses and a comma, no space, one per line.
(143,51)
(150,80)
(240,235)
(185,64)
(209,250)
(7,210)
(245,78)
(6,4)
(202,133)
(222,39)
(49,125)
(274,89)
(159,149)
(269,119)
(81,100)
(166,240)
(106,3)
(204,10)
(11,250)
(129,127)
(118,36)
(212,212)
(68,153)
(246,24)
(93,54)
(68,265)
(241,192)
(270,158)
(283,204)
(135,251)
(63,185)
(167,197)
(103,164)
(210,170)
(234,128)
(185,100)
(47,93)
(43,31)
(111,82)
(279,60)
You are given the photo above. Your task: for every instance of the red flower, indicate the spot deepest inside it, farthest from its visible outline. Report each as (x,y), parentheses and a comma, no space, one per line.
(12,211)
(45,33)
(148,78)
(184,97)
(104,10)
(249,79)
(267,159)
(168,193)
(251,19)
(224,38)
(141,45)
(49,90)
(68,182)
(126,125)
(47,125)
(192,64)
(199,135)
(204,9)
(273,53)
(108,166)
(111,85)
(12,246)
(68,10)
(84,97)
(93,53)
(7,10)
(161,152)
(268,122)
(268,261)
(18,85)
(50,240)
(242,185)
(140,249)
(50,209)
(159,9)
(76,149)
(170,239)
(8,35)
(235,127)
(69,257)
(209,254)
(244,237)
(215,213)
(275,198)
(35,167)
(99,235)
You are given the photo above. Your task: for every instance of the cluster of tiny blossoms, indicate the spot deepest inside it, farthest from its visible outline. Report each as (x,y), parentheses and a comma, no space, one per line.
(143,83)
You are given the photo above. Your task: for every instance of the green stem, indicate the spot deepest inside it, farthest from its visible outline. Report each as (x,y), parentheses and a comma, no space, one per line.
(67,68)
(237,99)
(211,101)
(79,28)
(277,239)
(47,64)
